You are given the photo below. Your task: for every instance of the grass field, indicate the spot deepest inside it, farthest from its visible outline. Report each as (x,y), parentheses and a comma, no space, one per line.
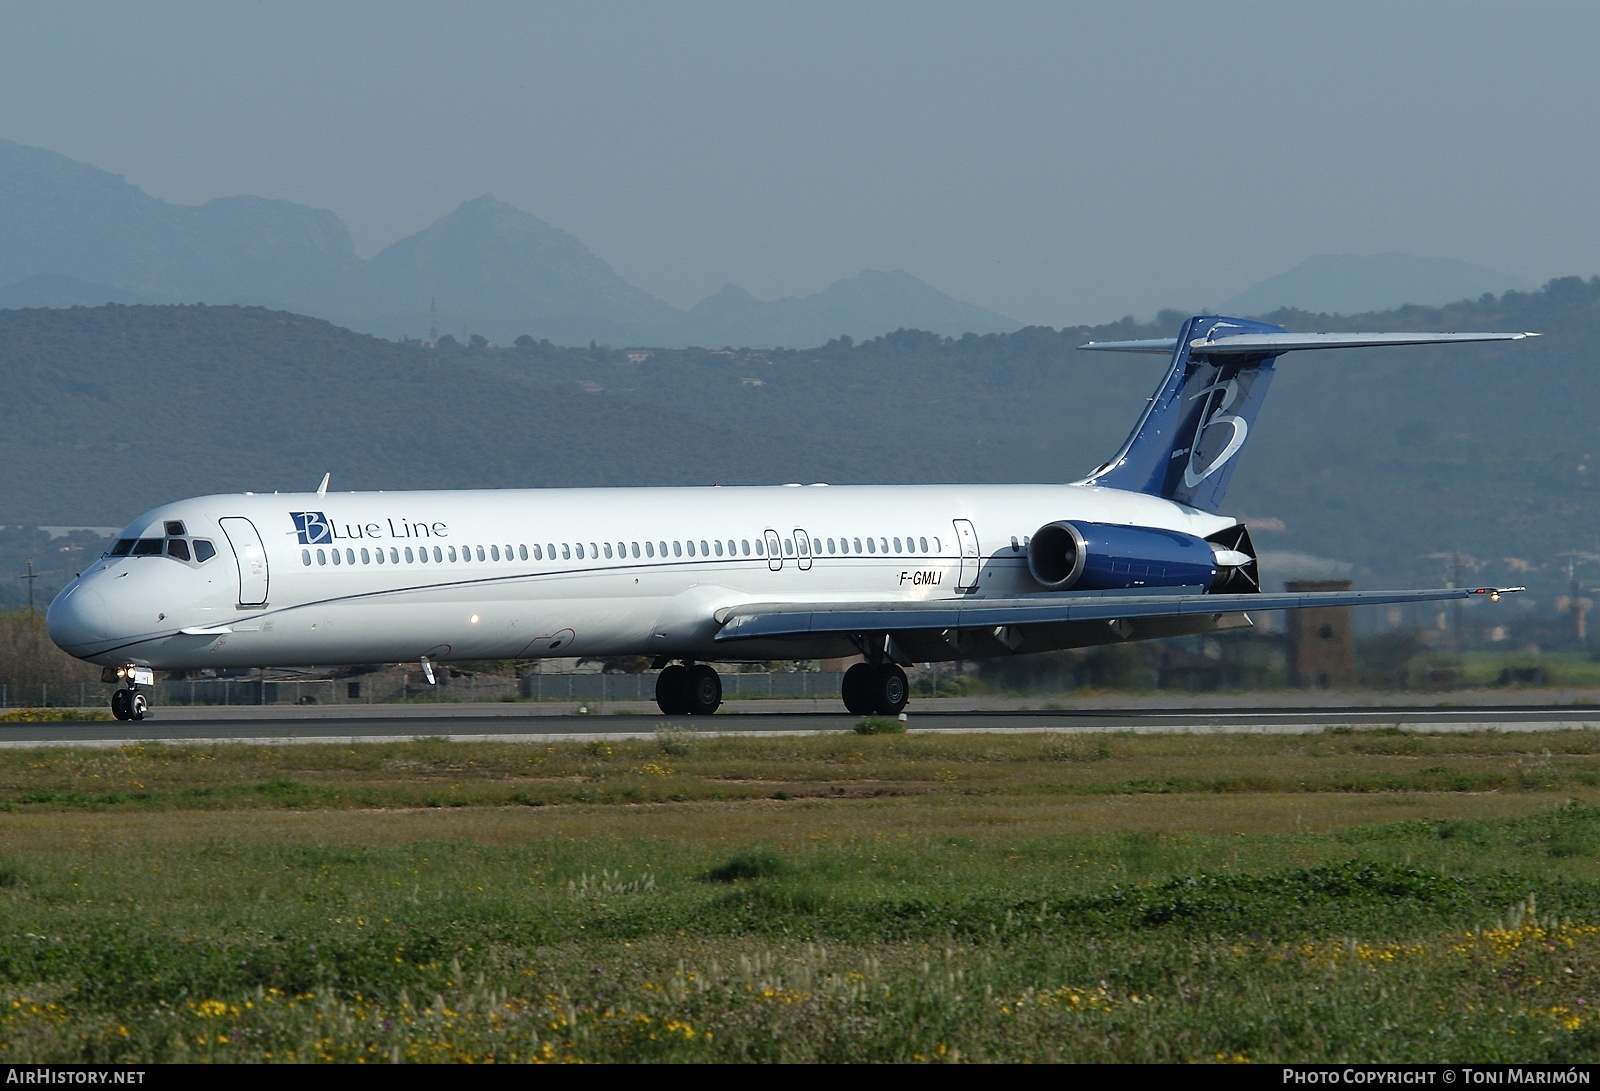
(1345,896)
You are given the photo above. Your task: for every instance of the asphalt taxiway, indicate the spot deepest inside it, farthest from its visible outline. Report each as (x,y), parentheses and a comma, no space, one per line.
(535,724)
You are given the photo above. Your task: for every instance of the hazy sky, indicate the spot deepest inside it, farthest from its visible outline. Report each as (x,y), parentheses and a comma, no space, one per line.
(1057,162)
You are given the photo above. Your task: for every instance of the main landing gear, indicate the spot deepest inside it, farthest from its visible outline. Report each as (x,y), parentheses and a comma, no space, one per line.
(692,689)
(875,689)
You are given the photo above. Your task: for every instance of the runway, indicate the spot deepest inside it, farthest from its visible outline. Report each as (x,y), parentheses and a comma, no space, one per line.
(532,724)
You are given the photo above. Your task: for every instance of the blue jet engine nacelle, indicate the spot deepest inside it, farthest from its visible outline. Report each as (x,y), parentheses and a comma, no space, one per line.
(1083,556)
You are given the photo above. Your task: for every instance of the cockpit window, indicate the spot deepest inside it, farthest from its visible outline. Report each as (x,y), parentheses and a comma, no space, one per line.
(122,547)
(147,547)
(203,550)
(175,528)
(178,548)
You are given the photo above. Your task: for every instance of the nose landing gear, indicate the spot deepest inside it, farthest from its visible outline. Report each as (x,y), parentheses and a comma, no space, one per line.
(128,703)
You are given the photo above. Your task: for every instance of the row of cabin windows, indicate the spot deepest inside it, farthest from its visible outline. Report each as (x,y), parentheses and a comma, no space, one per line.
(594,550)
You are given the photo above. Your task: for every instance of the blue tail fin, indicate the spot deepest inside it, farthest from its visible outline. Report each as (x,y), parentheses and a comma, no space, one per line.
(1184,446)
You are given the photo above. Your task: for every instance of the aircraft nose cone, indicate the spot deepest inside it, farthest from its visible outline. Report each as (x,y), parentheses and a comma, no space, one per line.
(77,619)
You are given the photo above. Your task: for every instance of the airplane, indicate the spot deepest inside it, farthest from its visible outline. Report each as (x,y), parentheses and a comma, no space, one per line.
(695,576)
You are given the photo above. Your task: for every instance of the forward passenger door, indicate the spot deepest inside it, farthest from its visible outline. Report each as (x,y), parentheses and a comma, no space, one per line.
(251,556)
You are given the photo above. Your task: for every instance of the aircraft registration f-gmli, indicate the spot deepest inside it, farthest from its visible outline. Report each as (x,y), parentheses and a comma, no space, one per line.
(694,576)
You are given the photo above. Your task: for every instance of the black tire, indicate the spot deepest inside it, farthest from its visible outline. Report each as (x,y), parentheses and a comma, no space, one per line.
(119,704)
(704,690)
(672,690)
(137,705)
(856,689)
(890,691)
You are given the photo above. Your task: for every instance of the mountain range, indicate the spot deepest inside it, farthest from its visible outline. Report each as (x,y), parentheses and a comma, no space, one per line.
(72,234)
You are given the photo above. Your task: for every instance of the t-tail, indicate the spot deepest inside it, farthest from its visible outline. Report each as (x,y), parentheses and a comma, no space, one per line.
(1186,444)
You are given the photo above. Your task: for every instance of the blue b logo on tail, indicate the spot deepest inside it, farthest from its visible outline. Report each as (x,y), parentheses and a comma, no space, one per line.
(312,527)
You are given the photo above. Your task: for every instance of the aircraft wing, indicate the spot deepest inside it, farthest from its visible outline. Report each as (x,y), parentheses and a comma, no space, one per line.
(777,619)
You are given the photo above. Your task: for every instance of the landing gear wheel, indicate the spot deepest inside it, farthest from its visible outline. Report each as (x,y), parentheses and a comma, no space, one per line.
(889,690)
(705,690)
(857,689)
(119,704)
(672,690)
(137,705)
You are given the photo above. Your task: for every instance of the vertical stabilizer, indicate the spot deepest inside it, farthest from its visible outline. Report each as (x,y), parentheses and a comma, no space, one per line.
(1185,445)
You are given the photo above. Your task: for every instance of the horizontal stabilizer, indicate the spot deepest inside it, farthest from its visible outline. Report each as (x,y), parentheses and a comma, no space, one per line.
(1160,346)
(779,619)
(1264,344)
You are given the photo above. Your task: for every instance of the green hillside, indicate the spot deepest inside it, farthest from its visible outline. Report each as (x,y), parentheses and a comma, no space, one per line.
(1379,458)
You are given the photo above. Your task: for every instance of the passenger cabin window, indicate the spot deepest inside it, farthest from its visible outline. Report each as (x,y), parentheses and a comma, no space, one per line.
(394,555)
(897,545)
(758,547)
(524,551)
(649,549)
(677,549)
(366,557)
(691,547)
(718,544)
(608,551)
(409,559)
(635,550)
(178,548)
(305,557)
(377,555)
(335,556)
(869,546)
(322,558)
(923,542)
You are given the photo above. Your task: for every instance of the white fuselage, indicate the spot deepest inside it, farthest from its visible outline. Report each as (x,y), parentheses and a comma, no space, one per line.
(388,577)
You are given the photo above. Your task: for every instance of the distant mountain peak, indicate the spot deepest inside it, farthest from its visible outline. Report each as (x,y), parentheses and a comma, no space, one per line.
(871,303)
(1361,284)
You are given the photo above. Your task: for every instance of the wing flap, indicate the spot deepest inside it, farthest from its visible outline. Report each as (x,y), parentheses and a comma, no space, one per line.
(777,619)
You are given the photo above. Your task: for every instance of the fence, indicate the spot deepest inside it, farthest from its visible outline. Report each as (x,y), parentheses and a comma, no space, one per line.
(385,688)
(642,687)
